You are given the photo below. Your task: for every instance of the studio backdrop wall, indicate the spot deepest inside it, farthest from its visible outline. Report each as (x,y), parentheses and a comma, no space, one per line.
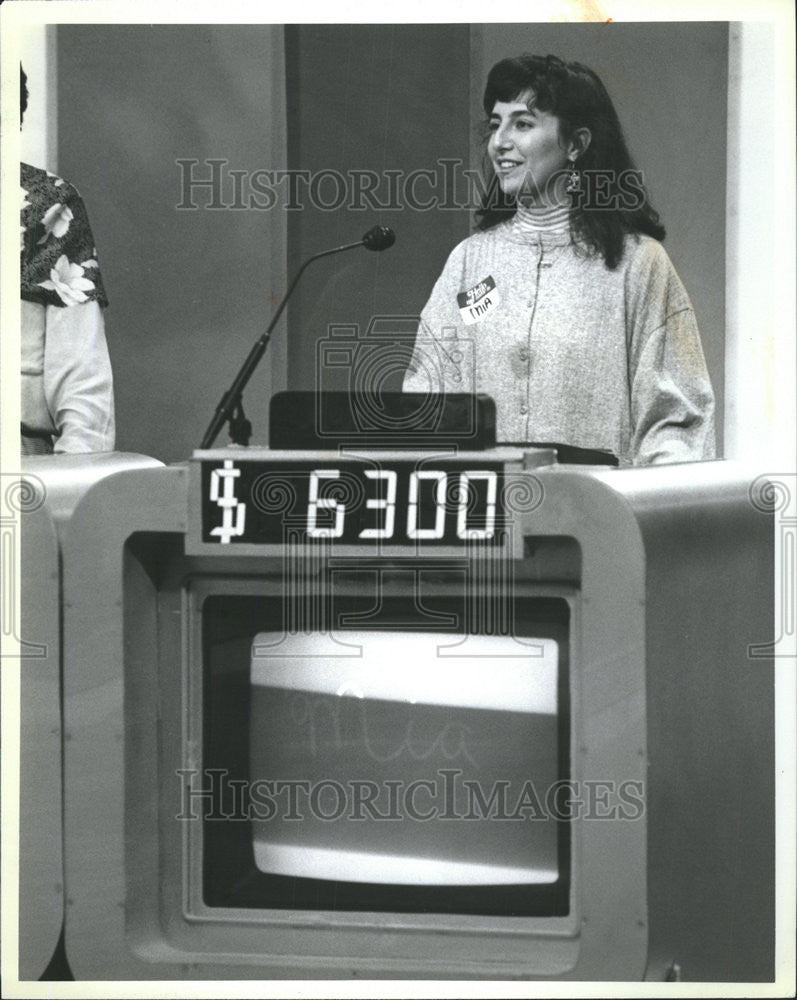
(386,104)
(143,110)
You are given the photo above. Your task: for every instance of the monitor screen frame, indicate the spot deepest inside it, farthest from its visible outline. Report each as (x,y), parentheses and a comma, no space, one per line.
(186,601)
(227,841)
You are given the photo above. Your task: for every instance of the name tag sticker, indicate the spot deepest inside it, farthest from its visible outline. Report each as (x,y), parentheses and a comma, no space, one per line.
(476,302)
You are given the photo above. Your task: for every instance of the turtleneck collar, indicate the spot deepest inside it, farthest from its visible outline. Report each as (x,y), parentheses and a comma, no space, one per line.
(546,225)
(543,219)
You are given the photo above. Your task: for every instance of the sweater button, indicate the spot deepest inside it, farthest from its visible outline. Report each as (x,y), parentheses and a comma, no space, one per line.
(524,408)
(524,355)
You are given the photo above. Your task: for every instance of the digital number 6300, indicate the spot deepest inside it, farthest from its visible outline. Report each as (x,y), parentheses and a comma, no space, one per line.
(398,503)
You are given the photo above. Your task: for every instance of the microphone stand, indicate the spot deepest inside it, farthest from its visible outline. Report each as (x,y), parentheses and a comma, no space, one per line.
(231,408)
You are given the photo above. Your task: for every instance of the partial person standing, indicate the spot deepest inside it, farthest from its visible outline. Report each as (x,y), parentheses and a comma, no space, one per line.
(67,402)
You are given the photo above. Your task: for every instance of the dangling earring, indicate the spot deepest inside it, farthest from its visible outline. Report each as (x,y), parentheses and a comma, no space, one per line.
(573,179)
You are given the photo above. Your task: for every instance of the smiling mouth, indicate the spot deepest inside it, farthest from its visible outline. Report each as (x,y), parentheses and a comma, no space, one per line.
(506,165)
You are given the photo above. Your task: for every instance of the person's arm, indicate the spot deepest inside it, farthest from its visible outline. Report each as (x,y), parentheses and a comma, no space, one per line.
(672,402)
(78,383)
(416,378)
(439,361)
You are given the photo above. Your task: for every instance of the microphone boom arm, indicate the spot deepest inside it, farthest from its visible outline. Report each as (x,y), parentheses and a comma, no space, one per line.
(232,397)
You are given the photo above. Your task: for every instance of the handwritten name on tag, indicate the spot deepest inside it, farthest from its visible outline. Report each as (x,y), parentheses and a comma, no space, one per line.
(477,302)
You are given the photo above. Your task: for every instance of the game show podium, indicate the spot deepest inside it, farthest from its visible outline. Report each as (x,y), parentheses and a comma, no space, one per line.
(51,487)
(545,665)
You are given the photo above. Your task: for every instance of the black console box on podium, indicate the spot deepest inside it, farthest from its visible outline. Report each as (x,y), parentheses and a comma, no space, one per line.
(302,420)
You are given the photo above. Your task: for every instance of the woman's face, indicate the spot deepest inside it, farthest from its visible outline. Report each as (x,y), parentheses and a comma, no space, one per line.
(526,153)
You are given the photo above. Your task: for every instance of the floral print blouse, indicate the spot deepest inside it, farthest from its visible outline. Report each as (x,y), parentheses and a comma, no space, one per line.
(66,401)
(59,259)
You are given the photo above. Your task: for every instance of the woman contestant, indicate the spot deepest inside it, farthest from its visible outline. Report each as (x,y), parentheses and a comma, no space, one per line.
(565,307)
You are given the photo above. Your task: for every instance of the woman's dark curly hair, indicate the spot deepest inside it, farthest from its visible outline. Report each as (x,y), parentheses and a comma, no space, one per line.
(614,201)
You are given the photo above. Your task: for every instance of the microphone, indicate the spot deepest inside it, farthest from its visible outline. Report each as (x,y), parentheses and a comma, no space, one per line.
(230,408)
(379,238)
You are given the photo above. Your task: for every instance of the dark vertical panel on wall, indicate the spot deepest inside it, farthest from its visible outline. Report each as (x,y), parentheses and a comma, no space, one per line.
(189,290)
(669,83)
(374,98)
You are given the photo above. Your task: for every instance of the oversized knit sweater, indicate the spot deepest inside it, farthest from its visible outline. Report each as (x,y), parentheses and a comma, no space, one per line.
(571,352)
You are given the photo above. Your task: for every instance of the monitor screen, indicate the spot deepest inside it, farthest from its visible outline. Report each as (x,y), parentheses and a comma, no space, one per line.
(397,757)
